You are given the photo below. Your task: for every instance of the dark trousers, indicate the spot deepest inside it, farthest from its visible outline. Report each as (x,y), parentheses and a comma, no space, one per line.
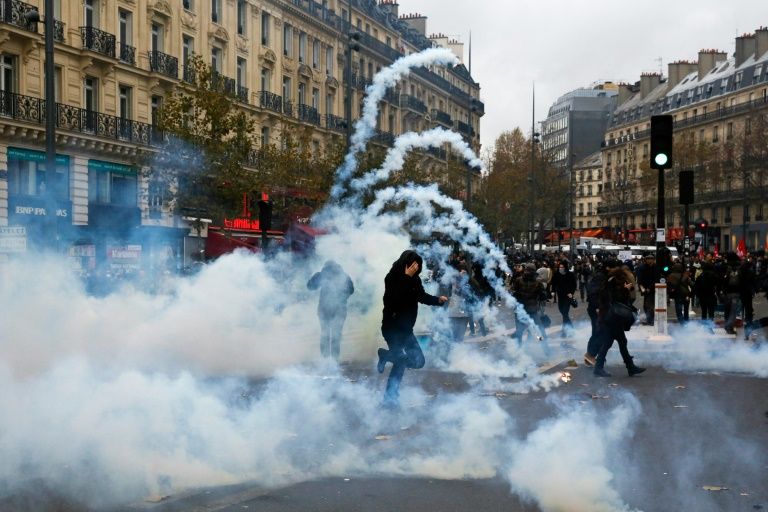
(707,304)
(564,305)
(746,303)
(649,305)
(608,334)
(404,352)
(681,309)
(521,327)
(593,345)
(330,334)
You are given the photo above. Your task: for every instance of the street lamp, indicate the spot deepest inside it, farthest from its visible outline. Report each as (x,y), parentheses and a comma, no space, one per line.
(33,16)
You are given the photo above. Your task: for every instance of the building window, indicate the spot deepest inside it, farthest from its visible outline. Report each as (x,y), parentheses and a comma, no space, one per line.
(329,61)
(242,15)
(265,136)
(266,79)
(30,178)
(126,110)
(302,47)
(729,131)
(216,59)
(90,102)
(288,41)
(126,24)
(302,93)
(157,37)
(188,5)
(316,54)
(91,13)
(265,29)
(7,76)
(156,105)
(216,11)
(329,102)
(105,187)
(287,88)
(715,133)
(315,98)
(242,76)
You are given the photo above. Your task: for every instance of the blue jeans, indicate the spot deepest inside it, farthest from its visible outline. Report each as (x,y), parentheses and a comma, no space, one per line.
(404,352)
(681,309)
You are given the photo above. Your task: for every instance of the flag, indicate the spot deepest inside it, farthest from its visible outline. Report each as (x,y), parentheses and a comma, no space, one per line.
(741,249)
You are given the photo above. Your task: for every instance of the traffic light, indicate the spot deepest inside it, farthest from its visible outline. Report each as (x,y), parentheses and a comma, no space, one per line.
(354,41)
(661,141)
(702,225)
(265,214)
(664,260)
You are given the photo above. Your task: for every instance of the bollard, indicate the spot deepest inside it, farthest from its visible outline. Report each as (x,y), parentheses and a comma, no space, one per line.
(660,332)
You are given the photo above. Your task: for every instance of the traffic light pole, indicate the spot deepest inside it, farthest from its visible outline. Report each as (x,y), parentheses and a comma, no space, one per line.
(660,225)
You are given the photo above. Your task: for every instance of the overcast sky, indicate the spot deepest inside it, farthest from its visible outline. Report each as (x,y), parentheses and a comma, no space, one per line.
(564,44)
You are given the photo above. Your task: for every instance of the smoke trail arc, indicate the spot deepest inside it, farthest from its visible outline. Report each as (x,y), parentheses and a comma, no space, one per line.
(395,157)
(364,127)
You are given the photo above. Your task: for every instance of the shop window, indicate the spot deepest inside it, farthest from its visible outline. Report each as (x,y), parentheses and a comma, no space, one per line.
(105,187)
(30,179)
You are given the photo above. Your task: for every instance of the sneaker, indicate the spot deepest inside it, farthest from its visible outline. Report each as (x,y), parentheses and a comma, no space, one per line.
(383,353)
(589,359)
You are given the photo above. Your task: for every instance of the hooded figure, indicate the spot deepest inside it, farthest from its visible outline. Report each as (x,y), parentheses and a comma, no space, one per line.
(335,288)
(403,292)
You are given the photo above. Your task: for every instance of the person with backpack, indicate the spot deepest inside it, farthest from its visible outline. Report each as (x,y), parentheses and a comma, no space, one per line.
(731,292)
(593,289)
(679,286)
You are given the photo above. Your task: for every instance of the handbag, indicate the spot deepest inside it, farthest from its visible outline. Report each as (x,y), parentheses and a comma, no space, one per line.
(574,302)
(622,315)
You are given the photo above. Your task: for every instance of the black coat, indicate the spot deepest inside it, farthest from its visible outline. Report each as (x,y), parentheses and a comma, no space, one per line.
(564,284)
(402,295)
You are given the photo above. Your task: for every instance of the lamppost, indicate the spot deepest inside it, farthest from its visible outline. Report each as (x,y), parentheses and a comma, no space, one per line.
(49,26)
(352,44)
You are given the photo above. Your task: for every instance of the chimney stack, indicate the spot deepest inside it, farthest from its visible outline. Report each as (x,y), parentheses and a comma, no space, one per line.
(390,7)
(676,71)
(648,82)
(625,92)
(745,46)
(708,59)
(761,42)
(416,22)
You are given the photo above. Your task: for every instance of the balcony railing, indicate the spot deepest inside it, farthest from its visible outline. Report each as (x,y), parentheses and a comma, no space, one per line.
(359,81)
(309,114)
(128,54)
(383,137)
(98,41)
(164,64)
(442,117)
(270,101)
(335,123)
(13,11)
(58,31)
(242,93)
(189,74)
(223,83)
(32,110)
(413,103)
(288,108)
(465,128)
(392,97)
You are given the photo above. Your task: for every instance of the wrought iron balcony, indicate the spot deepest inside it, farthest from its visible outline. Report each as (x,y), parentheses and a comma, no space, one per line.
(309,114)
(443,118)
(383,137)
(465,128)
(413,103)
(32,110)
(98,41)
(242,93)
(335,123)
(223,83)
(13,11)
(359,81)
(271,101)
(164,64)
(392,97)
(58,31)
(288,108)
(128,54)
(189,75)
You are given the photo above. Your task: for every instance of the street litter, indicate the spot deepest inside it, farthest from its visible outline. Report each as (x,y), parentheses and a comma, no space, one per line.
(599,397)
(679,387)
(156,499)
(571,364)
(714,488)
(346,479)
(680,406)
(383,438)
(613,385)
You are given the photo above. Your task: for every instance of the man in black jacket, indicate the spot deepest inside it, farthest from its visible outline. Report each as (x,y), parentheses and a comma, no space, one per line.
(594,287)
(403,292)
(564,286)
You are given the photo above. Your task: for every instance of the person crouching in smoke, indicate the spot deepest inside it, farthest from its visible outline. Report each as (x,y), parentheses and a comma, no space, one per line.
(402,293)
(335,288)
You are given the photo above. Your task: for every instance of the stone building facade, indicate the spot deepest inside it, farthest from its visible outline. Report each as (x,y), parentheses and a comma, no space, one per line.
(116,61)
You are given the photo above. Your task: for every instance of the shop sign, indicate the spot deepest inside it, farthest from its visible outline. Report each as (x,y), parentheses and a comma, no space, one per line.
(242,224)
(35,156)
(13,239)
(124,256)
(113,167)
(38,211)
